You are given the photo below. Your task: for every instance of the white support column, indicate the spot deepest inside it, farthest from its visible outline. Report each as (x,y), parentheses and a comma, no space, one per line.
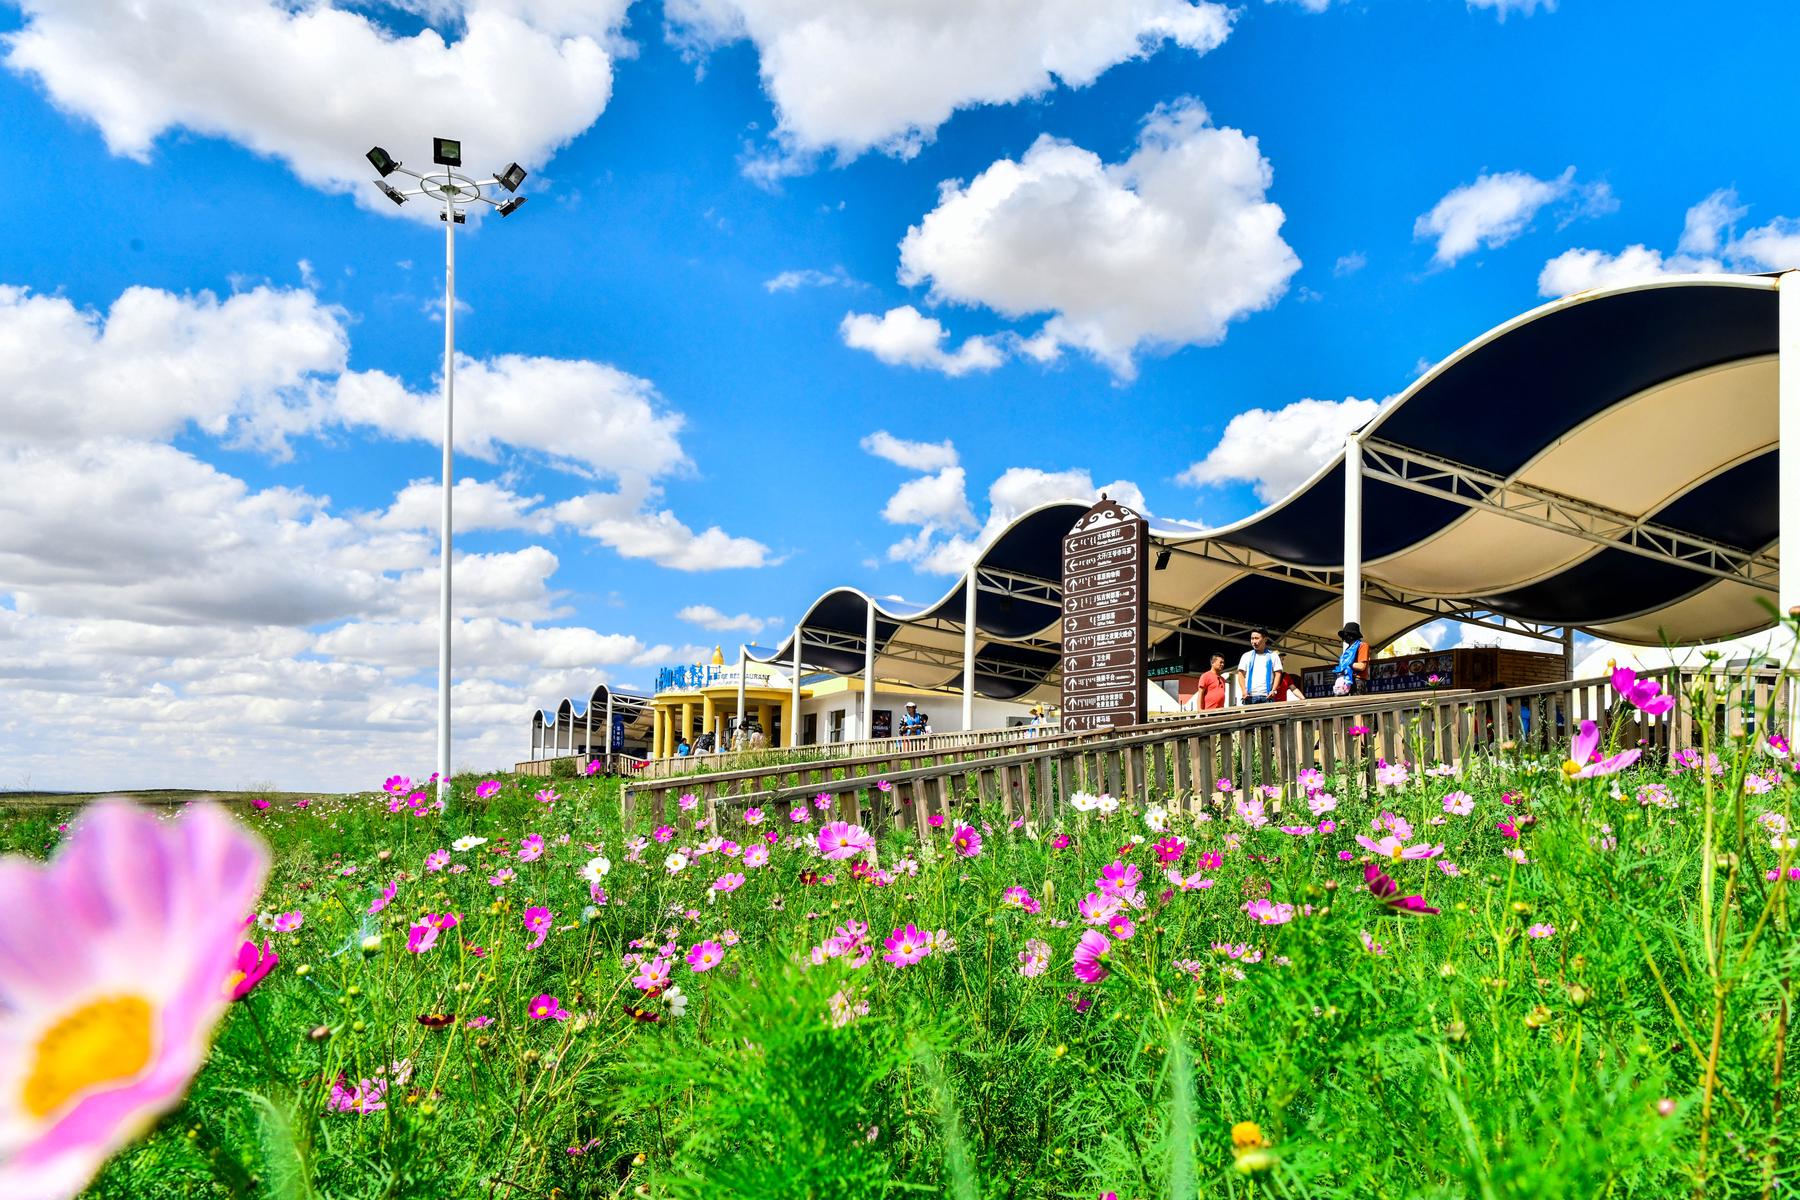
(868,720)
(1787,342)
(743,670)
(606,738)
(968,678)
(537,739)
(793,733)
(1353,472)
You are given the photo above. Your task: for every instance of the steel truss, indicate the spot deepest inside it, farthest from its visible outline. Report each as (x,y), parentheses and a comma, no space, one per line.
(1430,475)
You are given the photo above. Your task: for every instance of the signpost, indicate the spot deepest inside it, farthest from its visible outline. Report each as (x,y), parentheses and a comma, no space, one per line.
(1105,618)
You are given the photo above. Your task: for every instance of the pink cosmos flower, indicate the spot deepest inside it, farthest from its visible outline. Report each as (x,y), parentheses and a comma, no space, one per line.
(260,803)
(753,816)
(663,833)
(704,956)
(840,839)
(397,785)
(287,922)
(689,802)
(1034,958)
(905,946)
(1392,774)
(1169,850)
(1097,909)
(799,814)
(1119,878)
(253,966)
(382,901)
(1544,931)
(1459,803)
(1211,860)
(593,767)
(1646,695)
(728,882)
(1224,785)
(1061,841)
(437,860)
(487,789)
(1584,761)
(531,847)
(1018,897)
(1121,927)
(1371,945)
(548,796)
(1187,883)
(935,820)
(1393,848)
(1089,952)
(538,920)
(1268,913)
(822,801)
(1321,803)
(652,975)
(756,855)
(115,966)
(501,878)
(966,840)
(882,785)
(364,1098)
(424,935)
(545,1007)
(1384,889)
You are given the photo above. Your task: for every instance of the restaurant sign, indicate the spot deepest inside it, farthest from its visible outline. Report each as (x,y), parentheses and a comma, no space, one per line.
(1105,614)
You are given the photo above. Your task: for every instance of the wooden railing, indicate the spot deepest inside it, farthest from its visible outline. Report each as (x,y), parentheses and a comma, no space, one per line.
(610,764)
(1181,762)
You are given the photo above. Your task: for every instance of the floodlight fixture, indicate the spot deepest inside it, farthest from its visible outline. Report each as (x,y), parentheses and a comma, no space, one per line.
(462,218)
(446,152)
(390,191)
(511,178)
(382,161)
(1162,558)
(511,206)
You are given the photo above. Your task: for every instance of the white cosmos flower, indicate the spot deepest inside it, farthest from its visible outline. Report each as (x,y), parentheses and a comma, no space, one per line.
(468,843)
(596,868)
(676,863)
(1106,804)
(1157,818)
(1084,802)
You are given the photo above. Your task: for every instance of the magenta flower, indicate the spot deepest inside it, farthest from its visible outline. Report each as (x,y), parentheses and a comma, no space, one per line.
(729,882)
(651,975)
(1265,912)
(531,847)
(1034,957)
(253,966)
(397,785)
(1169,850)
(799,814)
(689,802)
(546,1007)
(437,860)
(840,839)
(364,1098)
(1089,952)
(538,921)
(502,877)
(905,946)
(593,767)
(1121,927)
(753,816)
(1392,848)
(822,801)
(1584,761)
(487,789)
(966,840)
(883,785)
(1119,878)
(1646,695)
(1018,897)
(1384,889)
(382,901)
(935,820)
(704,956)
(548,796)
(424,935)
(115,965)
(663,833)
(1543,931)
(1097,909)
(287,922)
(260,803)
(756,856)
(1459,803)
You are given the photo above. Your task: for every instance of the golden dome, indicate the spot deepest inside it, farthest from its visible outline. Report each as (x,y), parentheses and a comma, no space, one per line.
(718,656)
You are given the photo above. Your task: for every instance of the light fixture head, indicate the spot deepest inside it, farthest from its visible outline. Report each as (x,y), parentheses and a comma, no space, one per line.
(382,161)
(446,152)
(511,206)
(461,218)
(1162,558)
(511,178)
(390,191)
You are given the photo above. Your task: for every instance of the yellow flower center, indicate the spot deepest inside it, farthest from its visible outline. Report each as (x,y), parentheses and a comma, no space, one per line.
(1397,853)
(1246,1134)
(103,1041)
(1571,767)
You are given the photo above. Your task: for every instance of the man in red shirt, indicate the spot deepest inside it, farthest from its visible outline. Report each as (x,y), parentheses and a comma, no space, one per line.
(1212,685)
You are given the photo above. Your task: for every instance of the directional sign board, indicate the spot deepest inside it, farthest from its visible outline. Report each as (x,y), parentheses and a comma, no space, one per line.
(1105,615)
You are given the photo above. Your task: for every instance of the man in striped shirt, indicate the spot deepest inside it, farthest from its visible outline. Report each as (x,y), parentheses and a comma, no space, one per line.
(1259,670)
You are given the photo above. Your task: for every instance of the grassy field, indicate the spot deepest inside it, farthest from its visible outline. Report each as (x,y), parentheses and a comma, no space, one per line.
(1216,996)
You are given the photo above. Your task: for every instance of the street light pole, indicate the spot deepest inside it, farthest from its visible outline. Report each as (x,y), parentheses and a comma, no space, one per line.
(457,191)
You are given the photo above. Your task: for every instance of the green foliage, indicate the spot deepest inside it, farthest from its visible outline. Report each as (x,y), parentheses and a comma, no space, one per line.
(1435,1056)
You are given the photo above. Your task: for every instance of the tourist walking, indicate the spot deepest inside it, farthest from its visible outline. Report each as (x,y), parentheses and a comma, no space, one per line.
(1212,685)
(1259,670)
(1352,675)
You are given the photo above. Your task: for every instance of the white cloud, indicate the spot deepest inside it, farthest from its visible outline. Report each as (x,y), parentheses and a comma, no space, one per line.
(938,500)
(1276,451)
(478,504)
(1349,264)
(807,277)
(1503,7)
(314,85)
(914,456)
(1161,250)
(887,73)
(905,337)
(1496,208)
(1707,244)
(627,522)
(708,617)
(1017,490)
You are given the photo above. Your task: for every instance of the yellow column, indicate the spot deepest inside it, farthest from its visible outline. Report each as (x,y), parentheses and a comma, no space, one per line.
(687,723)
(787,724)
(706,713)
(762,718)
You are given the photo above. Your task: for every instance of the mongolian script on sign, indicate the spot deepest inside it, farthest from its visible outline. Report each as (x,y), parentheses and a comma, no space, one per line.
(1104,626)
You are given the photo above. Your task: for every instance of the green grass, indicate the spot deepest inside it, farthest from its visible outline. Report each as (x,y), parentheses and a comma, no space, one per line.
(1637,1052)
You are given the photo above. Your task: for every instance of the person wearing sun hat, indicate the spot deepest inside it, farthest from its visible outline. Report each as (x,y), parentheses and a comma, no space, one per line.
(1351,678)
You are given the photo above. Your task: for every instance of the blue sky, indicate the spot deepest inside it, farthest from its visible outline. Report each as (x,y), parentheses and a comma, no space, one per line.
(214,547)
